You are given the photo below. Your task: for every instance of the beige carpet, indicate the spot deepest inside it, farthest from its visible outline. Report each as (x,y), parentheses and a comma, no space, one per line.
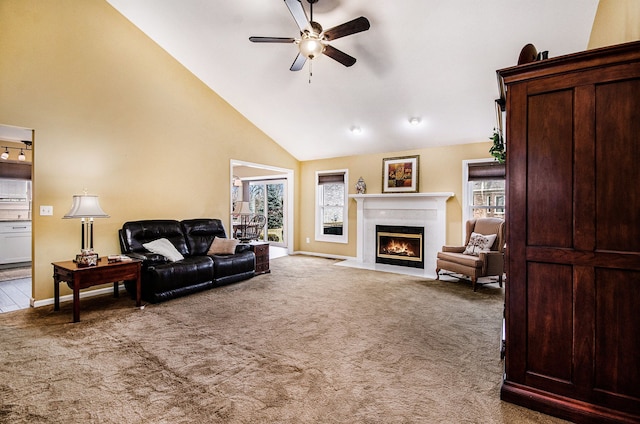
(309,343)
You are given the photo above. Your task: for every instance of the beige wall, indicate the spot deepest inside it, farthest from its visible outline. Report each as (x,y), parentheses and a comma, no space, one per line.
(115,114)
(616,21)
(440,171)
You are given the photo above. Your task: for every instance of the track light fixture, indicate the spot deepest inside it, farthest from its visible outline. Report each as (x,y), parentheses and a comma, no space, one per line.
(21,156)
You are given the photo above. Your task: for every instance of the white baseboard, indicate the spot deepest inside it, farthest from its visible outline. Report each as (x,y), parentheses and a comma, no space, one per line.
(69,297)
(323,255)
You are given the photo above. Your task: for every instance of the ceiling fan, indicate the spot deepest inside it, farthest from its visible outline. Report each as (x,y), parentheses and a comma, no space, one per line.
(313,40)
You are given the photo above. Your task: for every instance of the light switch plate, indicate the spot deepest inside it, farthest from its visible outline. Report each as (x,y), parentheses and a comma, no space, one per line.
(46,210)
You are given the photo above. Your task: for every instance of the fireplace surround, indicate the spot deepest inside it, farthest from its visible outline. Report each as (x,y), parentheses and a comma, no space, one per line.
(426,210)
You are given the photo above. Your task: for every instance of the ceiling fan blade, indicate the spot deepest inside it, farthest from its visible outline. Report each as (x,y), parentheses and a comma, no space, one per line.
(298,13)
(298,63)
(354,26)
(339,56)
(272,39)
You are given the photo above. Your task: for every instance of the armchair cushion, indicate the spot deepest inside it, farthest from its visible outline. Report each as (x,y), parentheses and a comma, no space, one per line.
(464,260)
(479,243)
(165,248)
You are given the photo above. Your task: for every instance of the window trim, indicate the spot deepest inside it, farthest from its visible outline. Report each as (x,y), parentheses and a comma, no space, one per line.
(332,238)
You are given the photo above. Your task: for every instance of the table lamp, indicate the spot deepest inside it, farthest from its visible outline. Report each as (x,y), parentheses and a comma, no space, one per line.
(244,214)
(244,208)
(86,207)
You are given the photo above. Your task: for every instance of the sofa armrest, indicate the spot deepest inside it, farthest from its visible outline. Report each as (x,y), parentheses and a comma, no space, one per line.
(242,247)
(453,249)
(147,258)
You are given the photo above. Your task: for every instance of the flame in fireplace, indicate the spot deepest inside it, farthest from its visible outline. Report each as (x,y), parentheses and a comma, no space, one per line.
(402,248)
(399,248)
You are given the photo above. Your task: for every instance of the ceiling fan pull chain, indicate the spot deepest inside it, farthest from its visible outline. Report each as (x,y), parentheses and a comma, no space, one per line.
(310,70)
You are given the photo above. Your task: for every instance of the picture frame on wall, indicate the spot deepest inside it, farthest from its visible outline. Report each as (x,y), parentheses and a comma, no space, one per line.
(400,174)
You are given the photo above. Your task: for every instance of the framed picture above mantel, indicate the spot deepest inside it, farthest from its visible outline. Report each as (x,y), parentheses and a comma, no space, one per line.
(400,174)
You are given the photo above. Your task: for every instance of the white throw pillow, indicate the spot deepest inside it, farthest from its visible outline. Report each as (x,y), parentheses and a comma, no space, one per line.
(223,246)
(165,248)
(479,243)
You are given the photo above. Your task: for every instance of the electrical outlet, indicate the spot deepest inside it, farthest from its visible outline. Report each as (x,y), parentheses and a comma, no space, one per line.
(46,210)
(308,241)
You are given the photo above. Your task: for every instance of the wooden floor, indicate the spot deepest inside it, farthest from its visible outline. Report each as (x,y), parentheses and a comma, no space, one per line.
(15,294)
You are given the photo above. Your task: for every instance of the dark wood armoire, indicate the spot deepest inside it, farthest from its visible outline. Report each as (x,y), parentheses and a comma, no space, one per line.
(572,297)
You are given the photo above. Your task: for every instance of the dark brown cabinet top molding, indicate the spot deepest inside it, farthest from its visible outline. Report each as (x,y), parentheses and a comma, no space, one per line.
(587,59)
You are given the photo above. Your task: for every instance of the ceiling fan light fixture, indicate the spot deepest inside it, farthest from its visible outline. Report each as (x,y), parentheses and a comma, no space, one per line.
(311,46)
(314,40)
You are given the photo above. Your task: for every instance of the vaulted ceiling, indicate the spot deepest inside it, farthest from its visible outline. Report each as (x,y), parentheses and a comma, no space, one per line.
(430,59)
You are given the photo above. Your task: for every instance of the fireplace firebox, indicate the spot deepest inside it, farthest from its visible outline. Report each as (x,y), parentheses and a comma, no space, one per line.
(400,245)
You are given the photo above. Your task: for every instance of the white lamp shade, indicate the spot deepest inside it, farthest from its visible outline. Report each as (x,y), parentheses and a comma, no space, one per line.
(86,206)
(244,208)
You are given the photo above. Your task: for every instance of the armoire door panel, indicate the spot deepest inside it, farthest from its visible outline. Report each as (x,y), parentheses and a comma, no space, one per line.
(617,335)
(618,166)
(550,169)
(549,321)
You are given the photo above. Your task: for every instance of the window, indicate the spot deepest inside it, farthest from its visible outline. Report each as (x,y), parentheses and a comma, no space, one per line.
(484,189)
(332,206)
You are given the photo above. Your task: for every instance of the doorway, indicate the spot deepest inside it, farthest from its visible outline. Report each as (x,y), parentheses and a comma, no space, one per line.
(269,191)
(16,244)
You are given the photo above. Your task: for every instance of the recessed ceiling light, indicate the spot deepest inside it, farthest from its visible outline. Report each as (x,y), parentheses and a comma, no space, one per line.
(356,129)
(415,121)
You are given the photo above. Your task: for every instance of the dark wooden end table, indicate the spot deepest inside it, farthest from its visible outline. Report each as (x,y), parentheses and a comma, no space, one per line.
(261,250)
(78,278)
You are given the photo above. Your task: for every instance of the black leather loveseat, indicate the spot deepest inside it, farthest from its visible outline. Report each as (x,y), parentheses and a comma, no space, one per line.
(163,279)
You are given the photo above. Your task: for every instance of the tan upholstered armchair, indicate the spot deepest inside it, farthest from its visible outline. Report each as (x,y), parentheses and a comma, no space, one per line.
(476,260)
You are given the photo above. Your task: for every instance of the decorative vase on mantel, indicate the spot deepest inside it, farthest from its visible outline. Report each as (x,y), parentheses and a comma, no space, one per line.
(361,186)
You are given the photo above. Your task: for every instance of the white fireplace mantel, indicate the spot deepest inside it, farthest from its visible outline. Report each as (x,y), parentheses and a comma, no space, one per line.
(400,198)
(427,210)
